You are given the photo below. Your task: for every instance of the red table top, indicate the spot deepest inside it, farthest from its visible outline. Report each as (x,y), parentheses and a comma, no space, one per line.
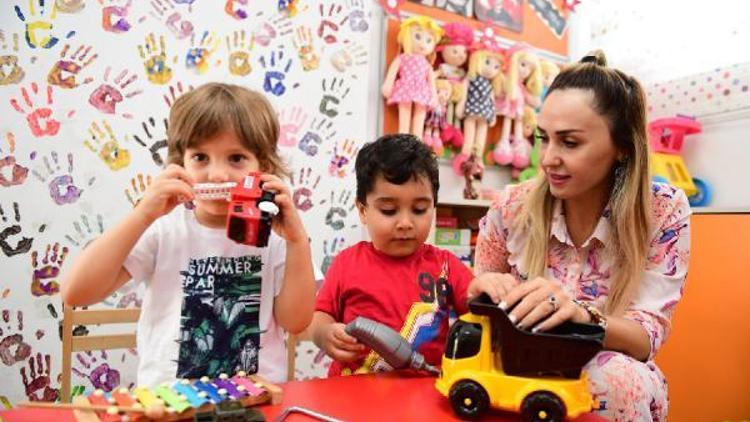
(397,396)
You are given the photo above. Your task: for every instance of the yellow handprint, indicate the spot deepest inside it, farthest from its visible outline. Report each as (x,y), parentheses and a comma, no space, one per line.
(107,147)
(239,56)
(157,69)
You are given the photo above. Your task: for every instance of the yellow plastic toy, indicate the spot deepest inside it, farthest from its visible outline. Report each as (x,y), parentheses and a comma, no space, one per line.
(489,362)
(666,138)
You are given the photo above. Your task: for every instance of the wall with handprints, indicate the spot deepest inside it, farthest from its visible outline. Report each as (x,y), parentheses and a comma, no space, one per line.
(85,90)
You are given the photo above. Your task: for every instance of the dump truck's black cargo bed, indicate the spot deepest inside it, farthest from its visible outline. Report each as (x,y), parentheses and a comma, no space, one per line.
(561,351)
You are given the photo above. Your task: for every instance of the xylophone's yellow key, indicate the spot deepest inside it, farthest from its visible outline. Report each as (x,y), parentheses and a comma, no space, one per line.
(153,405)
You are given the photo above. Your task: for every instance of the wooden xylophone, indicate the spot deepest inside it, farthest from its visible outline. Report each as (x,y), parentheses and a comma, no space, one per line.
(183,399)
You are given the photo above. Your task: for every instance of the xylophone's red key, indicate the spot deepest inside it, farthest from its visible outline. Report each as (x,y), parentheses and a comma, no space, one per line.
(123,398)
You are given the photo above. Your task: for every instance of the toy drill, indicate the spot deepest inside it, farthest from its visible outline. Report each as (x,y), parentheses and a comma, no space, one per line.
(387,343)
(251,208)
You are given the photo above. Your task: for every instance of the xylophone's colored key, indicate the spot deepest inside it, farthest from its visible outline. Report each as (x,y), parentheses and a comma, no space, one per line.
(122,397)
(147,397)
(205,385)
(98,398)
(195,398)
(174,400)
(224,383)
(248,385)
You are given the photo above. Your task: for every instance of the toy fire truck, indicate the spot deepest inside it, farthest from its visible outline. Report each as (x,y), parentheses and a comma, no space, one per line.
(251,208)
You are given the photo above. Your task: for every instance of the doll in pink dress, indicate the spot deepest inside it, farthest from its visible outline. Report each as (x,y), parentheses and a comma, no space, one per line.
(523,86)
(410,81)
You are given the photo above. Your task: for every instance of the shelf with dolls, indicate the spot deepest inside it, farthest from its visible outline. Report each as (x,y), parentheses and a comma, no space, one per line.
(469,89)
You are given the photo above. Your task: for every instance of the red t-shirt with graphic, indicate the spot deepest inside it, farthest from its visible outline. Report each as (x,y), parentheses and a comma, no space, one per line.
(414,295)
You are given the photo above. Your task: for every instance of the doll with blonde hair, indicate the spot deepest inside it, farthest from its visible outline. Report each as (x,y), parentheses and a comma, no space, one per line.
(454,53)
(410,81)
(477,108)
(437,127)
(550,70)
(523,86)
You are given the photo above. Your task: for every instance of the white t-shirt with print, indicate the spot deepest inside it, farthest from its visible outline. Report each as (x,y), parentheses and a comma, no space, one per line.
(199,283)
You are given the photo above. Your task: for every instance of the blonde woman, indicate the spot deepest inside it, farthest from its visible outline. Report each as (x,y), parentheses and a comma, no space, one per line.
(592,239)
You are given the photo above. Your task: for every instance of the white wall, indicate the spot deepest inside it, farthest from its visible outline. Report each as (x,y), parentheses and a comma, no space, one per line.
(690,56)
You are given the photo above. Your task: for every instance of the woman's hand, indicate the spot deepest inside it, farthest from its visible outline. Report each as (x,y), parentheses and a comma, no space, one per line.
(496,285)
(171,187)
(287,223)
(541,304)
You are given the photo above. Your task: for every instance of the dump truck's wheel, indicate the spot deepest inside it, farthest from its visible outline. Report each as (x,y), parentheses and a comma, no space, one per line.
(542,407)
(469,400)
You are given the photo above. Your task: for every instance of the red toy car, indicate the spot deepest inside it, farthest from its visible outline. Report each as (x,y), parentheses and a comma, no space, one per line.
(251,210)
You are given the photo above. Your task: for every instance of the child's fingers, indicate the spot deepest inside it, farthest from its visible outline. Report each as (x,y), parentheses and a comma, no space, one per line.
(343,355)
(173,171)
(274,183)
(342,340)
(173,188)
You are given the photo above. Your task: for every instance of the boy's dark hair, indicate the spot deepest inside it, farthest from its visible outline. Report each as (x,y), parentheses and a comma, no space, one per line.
(398,158)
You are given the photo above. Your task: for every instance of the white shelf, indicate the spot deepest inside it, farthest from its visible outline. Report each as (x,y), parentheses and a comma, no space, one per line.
(479,203)
(720,210)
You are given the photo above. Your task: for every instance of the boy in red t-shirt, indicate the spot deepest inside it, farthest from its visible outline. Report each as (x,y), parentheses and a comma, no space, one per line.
(395,279)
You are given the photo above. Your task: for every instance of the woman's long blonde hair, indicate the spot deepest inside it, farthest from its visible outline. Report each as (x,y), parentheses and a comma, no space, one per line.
(620,99)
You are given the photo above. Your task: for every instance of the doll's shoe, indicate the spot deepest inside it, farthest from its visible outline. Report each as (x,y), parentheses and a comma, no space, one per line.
(503,152)
(458,162)
(521,151)
(515,173)
(452,136)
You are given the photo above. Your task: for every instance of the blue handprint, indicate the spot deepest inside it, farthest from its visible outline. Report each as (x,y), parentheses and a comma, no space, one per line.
(273,82)
(318,131)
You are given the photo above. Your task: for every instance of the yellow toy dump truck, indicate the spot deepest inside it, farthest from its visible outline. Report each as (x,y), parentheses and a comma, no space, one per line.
(489,362)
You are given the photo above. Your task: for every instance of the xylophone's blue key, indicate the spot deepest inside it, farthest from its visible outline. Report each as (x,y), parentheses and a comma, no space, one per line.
(193,396)
(204,384)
